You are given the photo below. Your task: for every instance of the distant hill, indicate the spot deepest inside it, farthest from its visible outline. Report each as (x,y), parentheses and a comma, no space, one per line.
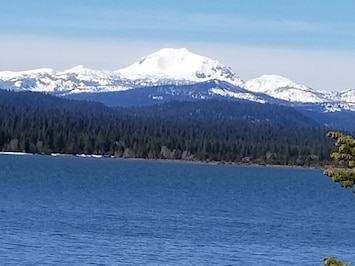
(180,75)
(209,130)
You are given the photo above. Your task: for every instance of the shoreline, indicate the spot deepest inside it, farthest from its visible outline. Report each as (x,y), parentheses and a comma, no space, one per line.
(98,156)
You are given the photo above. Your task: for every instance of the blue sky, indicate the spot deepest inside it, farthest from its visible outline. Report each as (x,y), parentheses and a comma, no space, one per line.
(309,41)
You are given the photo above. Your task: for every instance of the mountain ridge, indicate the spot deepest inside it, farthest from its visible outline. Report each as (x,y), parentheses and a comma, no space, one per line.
(175,67)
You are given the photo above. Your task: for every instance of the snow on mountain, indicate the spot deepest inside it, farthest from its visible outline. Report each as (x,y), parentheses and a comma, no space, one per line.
(347,96)
(34,80)
(11,74)
(179,65)
(227,90)
(176,68)
(343,100)
(80,79)
(75,80)
(167,66)
(282,88)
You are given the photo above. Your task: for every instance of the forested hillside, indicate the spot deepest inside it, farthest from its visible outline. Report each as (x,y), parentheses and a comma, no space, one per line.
(202,130)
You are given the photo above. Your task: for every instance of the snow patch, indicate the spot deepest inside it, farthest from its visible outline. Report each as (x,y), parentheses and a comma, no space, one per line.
(14,153)
(237,95)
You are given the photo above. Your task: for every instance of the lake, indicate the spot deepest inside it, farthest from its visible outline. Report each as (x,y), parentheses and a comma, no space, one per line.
(86,211)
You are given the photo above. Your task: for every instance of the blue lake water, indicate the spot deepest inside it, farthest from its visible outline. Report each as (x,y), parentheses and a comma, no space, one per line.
(82,211)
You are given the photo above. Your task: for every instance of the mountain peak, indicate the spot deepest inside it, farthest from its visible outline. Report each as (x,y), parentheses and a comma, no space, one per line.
(179,64)
(283,88)
(172,51)
(166,57)
(76,69)
(266,83)
(33,72)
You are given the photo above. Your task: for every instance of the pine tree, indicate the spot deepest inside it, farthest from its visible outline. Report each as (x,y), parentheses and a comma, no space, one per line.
(333,262)
(345,173)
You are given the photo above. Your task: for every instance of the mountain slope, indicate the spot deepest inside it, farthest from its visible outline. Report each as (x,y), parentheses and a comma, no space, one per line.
(219,110)
(212,89)
(209,110)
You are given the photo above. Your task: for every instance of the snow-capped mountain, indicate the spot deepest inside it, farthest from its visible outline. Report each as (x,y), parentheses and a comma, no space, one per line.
(179,65)
(174,74)
(167,66)
(282,88)
(342,100)
(285,89)
(347,95)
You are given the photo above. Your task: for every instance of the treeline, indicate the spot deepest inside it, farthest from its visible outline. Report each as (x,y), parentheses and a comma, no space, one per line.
(203,131)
